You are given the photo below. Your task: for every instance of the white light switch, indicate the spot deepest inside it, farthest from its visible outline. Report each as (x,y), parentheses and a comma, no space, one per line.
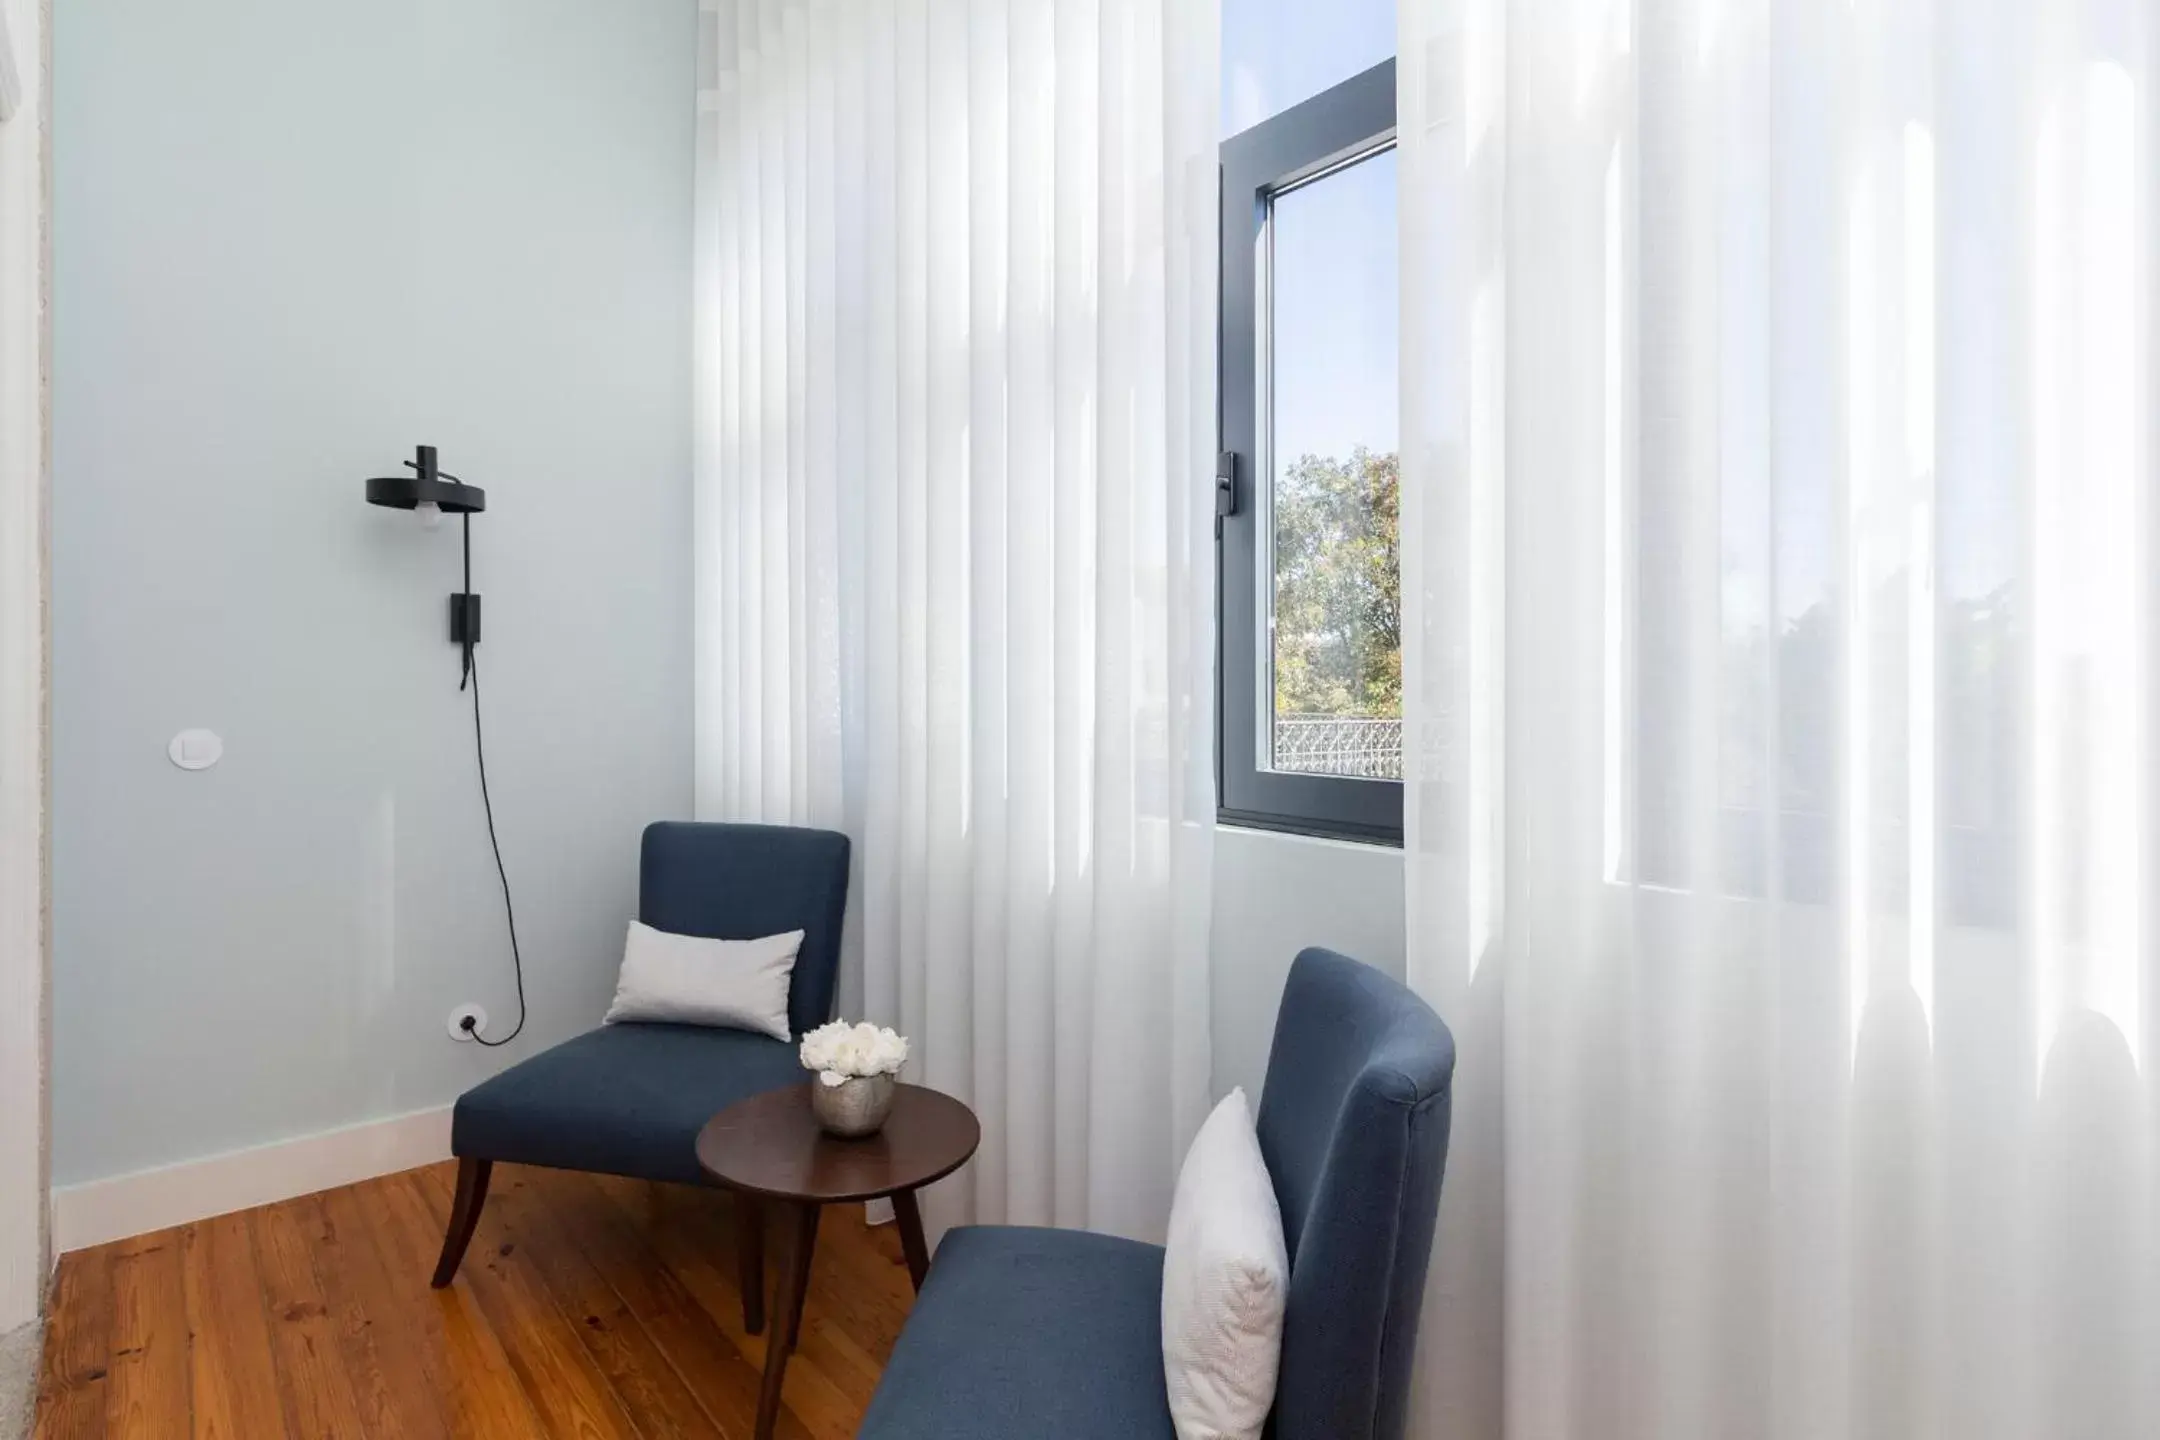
(196,749)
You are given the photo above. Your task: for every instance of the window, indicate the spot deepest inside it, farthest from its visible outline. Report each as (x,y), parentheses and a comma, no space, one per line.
(1278,52)
(1311,663)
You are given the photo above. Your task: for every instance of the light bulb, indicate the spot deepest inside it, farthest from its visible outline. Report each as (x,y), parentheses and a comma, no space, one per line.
(430,514)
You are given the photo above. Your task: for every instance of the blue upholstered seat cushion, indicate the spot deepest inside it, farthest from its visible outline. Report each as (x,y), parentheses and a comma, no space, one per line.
(623,1099)
(1023,1334)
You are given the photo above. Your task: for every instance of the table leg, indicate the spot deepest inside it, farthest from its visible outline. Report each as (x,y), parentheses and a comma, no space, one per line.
(805,1250)
(750,1259)
(906,1212)
(779,1340)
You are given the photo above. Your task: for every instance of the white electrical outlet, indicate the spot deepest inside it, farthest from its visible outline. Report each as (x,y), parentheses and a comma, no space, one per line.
(459,1030)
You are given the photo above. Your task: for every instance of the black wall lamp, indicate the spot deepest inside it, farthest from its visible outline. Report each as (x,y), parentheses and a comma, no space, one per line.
(433,494)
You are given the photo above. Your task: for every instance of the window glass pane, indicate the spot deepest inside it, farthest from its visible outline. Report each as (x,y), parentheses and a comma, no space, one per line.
(1279,52)
(1336,635)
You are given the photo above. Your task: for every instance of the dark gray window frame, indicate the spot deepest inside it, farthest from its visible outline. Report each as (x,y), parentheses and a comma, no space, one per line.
(1334,128)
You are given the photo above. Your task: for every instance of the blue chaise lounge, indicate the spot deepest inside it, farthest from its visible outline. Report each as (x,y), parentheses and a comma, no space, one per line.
(629,1099)
(1030,1334)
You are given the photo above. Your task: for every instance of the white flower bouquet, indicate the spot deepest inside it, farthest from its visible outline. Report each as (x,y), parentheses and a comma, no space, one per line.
(856,1066)
(841,1052)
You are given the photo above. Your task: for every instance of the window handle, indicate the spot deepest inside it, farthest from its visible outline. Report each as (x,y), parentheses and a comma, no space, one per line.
(1226,496)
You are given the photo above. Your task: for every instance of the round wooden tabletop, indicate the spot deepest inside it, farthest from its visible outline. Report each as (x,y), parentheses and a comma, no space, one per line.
(771,1145)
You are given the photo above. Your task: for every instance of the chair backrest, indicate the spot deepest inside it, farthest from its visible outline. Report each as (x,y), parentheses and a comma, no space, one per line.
(743,882)
(1354,1127)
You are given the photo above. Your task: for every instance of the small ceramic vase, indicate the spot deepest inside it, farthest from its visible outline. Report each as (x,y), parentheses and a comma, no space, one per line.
(856,1107)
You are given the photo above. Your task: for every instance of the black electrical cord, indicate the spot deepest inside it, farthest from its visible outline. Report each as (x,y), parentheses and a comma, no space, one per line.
(517,961)
(471,675)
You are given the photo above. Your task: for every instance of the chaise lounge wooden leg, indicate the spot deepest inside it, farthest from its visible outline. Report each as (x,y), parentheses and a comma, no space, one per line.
(472,1183)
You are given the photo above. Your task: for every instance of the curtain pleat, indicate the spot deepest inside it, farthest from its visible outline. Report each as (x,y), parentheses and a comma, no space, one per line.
(1778,524)
(955,374)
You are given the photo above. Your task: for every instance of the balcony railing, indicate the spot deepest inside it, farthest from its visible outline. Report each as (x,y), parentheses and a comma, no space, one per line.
(1339,745)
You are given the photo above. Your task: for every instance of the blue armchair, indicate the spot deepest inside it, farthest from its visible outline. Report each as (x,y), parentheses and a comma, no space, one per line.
(629,1099)
(1029,1334)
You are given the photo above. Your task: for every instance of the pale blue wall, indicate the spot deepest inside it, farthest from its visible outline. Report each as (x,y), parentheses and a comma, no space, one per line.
(1275,895)
(292,238)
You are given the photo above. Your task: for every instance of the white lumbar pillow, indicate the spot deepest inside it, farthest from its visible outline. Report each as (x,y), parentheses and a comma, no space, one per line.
(690,980)
(1226,1279)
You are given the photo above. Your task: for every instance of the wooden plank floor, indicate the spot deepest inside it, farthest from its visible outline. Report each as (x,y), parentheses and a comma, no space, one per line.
(587,1307)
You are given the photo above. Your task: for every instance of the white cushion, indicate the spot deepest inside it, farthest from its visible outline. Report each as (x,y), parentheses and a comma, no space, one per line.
(690,980)
(1226,1278)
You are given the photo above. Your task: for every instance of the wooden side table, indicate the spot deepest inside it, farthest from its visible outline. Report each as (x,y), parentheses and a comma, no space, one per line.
(769,1149)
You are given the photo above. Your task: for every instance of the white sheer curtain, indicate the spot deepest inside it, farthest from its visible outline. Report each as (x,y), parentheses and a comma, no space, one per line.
(955,388)
(1778,545)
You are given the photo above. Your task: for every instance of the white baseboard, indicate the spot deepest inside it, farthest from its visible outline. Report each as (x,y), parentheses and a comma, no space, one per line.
(98,1211)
